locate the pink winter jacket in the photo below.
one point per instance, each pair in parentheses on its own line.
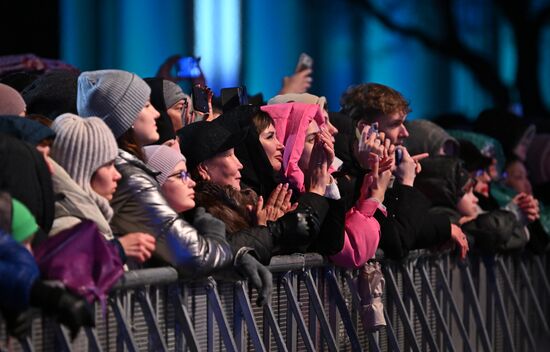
(362,231)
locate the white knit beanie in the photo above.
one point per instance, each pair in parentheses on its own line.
(115,96)
(82,146)
(162,159)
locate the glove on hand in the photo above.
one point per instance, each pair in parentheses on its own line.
(297,228)
(258,276)
(207,224)
(70,310)
(18,324)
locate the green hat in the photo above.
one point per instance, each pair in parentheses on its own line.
(23,224)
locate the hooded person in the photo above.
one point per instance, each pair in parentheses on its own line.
(52,94)
(258,171)
(428,137)
(449,186)
(308,98)
(11,102)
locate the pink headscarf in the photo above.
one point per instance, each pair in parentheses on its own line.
(291,123)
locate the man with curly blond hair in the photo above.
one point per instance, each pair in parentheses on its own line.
(372,102)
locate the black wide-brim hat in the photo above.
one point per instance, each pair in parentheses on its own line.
(203,140)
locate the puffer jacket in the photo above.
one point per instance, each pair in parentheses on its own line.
(139,206)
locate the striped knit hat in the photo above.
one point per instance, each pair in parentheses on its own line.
(115,96)
(81,147)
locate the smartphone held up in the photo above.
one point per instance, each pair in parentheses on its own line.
(304,62)
(200,98)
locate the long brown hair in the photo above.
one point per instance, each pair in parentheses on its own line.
(128,143)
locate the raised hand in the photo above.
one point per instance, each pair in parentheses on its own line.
(299,82)
(317,176)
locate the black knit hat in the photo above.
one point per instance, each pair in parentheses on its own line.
(52,94)
(202,140)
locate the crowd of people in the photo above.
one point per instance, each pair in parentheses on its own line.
(222,192)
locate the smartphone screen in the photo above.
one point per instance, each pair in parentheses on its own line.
(200,99)
(188,67)
(304,62)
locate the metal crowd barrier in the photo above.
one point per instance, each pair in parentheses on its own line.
(432,303)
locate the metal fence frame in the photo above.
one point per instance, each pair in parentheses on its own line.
(432,302)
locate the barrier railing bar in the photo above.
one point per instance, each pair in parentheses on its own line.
(92,339)
(62,337)
(272,322)
(312,321)
(515,300)
(215,304)
(476,307)
(391,333)
(245,309)
(435,306)
(150,276)
(501,309)
(418,308)
(315,301)
(453,307)
(343,309)
(26,344)
(296,312)
(238,325)
(123,324)
(151,320)
(533,297)
(401,309)
(542,274)
(184,319)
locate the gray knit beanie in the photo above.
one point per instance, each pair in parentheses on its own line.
(162,159)
(81,147)
(11,102)
(115,96)
(172,93)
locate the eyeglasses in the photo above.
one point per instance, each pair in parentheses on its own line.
(183,175)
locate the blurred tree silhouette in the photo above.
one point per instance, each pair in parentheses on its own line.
(443,32)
